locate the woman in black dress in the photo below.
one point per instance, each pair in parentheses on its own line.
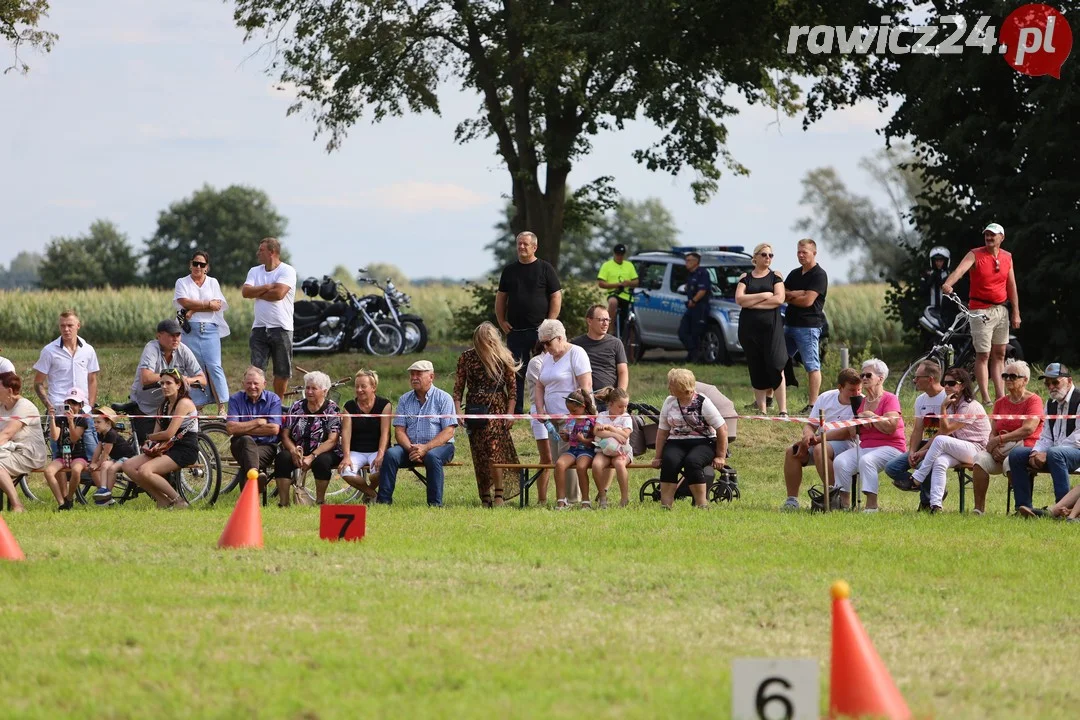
(364,440)
(760,293)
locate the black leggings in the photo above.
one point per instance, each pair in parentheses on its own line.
(321,467)
(690,456)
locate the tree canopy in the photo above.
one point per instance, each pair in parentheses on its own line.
(21,272)
(100,258)
(552,74)
(227,223)
(19,27)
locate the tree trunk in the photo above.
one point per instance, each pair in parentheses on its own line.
(542,213)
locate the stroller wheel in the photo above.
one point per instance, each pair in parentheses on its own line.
(650,490)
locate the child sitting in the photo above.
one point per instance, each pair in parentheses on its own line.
(612,431)
(111,452)
(578,432)
(70,461)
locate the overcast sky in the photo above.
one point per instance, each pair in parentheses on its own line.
(140,103)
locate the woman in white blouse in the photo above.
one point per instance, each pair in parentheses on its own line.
(199,297)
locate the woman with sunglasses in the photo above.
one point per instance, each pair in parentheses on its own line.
(760,293)
(1008,434)
(202,306)
(959,439)
(880,441)
(173,444)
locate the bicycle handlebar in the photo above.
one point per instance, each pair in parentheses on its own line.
(964,308)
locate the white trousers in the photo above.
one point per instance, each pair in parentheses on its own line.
(945,452)
(868,462)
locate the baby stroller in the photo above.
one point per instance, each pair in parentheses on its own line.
(724,488)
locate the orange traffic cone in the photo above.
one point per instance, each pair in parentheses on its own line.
(859,682)
(244,528)
(9,547)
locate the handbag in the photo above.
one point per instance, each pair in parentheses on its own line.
(474,424)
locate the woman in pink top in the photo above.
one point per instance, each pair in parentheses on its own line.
(1007,434)
(959,439)
(881,441)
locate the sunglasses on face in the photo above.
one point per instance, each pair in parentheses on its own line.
(1052,382)
(1009,377)
(545,343)
(951,383)
(766,255)
(197,264)
(867,376)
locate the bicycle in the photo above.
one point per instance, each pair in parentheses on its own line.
(627,330)
(953,346)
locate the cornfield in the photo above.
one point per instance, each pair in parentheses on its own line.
(115,317)
(857,317)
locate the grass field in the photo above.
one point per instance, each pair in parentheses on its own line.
(130,612)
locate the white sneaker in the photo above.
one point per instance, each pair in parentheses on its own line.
(870,510)
(790,504)
(976,512)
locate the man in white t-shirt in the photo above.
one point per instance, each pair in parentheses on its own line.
(273,287)
(65,363)
(836,404)
(927,407)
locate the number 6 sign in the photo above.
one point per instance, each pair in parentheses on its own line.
(342,522)
(765,689)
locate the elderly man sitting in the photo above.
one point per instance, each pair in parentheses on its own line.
(836,404)
(1058,448)
(254,422)
(424,430)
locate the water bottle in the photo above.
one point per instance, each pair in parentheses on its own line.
(553,432)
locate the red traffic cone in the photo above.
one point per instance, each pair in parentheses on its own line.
(859,683)
(244,528)
(9,547)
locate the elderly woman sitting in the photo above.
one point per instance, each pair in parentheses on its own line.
(1007,434)
(309,438)
(692,434)
(958,439)
(881,441)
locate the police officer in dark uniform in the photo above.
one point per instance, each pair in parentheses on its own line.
(694,320)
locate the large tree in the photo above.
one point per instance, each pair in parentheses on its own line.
(552,74)
(100,258)
(590,236)
(19,26)
(22,272)
(227,223)
(997,146)
(878,239)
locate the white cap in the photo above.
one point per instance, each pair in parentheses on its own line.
(422,366)
(994,228)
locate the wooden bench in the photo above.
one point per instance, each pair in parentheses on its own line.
(526,481)
(962,473)
(366,470)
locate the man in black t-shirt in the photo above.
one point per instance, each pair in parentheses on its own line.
(806,287)
(529,293)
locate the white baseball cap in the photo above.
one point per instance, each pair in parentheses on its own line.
(994,228)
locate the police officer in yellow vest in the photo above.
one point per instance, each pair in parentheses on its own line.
(618,277)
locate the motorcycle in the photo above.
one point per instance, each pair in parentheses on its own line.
(342,321)
(390,305)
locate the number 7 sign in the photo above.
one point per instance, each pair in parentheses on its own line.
(342,522)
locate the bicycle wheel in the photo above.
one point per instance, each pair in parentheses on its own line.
(632,343)
(219,436)
(201,483)
(33,491)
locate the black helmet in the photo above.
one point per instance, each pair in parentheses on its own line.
(310,287)
(328,289)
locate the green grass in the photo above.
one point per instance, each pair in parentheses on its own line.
(130,612)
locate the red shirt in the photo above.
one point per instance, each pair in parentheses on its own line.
(989,276)
(1032,406)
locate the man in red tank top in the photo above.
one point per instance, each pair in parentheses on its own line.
(992,284)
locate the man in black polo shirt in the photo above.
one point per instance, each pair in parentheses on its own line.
(806,287)
(529,293)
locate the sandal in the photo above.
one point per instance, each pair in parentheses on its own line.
(499,502)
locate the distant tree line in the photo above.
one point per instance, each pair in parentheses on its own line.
(228,224)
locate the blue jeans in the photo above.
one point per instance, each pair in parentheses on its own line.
(396,457)
(1059,461)
(205,343)
(898,470)
(805,341)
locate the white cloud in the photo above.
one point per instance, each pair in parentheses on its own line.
(405,197)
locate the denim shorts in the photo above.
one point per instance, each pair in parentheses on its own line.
(272,343)
(804,340)
(580,451)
